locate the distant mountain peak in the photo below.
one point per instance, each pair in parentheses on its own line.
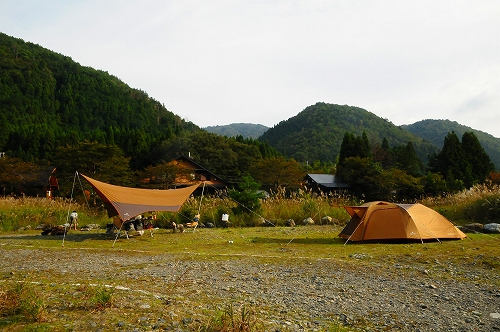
(247,130)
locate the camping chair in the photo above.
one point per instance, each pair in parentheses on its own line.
(194,223)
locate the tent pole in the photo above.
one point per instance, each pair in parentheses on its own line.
(201,198)
(117,234)
(69,208)
(354,231)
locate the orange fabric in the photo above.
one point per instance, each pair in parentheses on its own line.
(129,202)
(382,220)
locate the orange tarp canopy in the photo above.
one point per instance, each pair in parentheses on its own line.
(129,202)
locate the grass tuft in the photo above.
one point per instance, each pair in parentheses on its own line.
(102,298)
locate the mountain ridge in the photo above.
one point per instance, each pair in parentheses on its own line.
(316,133)
(246,130)
(430,130)
(47,100)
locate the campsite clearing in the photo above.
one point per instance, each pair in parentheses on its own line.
(290,279)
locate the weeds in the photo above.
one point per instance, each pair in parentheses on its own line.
(102,297)
(23,299)
(231,320)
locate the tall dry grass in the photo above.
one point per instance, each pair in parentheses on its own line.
(478,204)
(29,212)
(277,210)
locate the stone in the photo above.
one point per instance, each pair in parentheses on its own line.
(260,221)
(493,228)
(327,220)
(495,315)
(308,221)
(472,228)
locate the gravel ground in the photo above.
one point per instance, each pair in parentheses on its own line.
(306,296)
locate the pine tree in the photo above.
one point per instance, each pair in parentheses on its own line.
(347,147)
(479,161)
(353,146)
(406,159)
(451,157)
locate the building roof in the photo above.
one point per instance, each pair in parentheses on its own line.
(188,162)
(327,180)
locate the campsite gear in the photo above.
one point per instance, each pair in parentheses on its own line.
(127,203)
(225,220)
(73,218)
(194,223)
(389,221)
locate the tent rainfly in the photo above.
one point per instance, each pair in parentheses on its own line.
(128,202)
(385,221)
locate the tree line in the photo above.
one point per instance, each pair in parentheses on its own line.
(380,172)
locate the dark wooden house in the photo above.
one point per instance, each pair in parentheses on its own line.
(324,183)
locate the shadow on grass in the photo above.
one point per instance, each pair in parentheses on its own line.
(308,240)
(70,237)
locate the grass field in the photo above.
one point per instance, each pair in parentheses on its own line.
(305,242)
(268,245)
(28,301)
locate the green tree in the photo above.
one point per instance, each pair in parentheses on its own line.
(16,174)
(164,175)
(479,161)
(353,146)
(278,172)
(406,159)
(366,178)
(383,154)
(247,195)
(434,184)
(102,162)
(406,188)
(347,147)
(450,162)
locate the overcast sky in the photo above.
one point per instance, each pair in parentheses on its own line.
(220,62)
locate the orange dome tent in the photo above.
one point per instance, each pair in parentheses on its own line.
(385,221)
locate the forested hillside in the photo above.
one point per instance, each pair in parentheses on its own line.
(48,100)
(316,133)
(55,111)
(434,131)
(246,130)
